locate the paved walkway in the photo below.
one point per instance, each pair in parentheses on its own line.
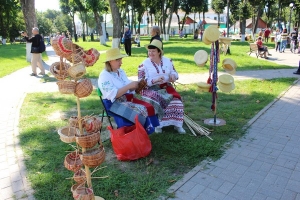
(14,87)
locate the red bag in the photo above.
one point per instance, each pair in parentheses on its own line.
(130,142)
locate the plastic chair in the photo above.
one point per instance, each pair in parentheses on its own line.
(104,111)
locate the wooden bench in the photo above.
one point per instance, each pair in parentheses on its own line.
(254,49)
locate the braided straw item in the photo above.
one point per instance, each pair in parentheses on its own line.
(72,161)
(60,70)
(66,87)
(67,134)
(89,140)
(77,71)
(93,157)
(83,88)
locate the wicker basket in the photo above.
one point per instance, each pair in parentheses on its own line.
(79,176)
(77,55)
(89,140)
(90,57)
(66,87)
(73,162)
(59,74)
(83,88)
(93,157)
(80,192)
(73,122)
(92,125)
(67,134)
(62,46)
(77,71)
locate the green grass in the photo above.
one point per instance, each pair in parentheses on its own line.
(182,51)
(13,58)
(172,155)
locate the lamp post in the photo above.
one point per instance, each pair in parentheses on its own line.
(291,9)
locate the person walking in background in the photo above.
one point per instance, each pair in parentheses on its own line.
(36,57)
(277,40)
(267,34)
(298,42)
(284,36)
(155,34)
(201,34)
(127,40)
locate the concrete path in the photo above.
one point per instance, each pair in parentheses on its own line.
(14,87)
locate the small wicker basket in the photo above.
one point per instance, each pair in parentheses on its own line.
(62,46)
(93,157)
(67,134)
(77,54)
(92,124)
(73,162)
(59,74)
(90,57)
(80,192)
(79,176)
(83,88)
(89,140)
(77,71)
(66,87)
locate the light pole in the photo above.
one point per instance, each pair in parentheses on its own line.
(291,9)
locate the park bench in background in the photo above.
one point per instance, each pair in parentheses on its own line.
(254,49)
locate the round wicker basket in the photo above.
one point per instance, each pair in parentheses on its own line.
(83,88)
(89,140)
(77,55)
(77,71)
(79,176)
(73,162)
(66,87)
(90,57)
(93,157)
(59,74)
(92,124)
(80,192)
(67,134)
(62,46)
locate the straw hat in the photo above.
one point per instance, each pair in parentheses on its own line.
(225,40)
(226,83)
(155,43)
(211,33)
(114,54)
(200,58)
(203,87)
(206,41)
(229,65)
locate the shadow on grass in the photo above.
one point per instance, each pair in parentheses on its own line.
(172,154)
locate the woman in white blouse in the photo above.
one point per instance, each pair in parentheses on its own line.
(117,96)
(159,72)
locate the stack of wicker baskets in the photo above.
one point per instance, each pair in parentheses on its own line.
(85,131)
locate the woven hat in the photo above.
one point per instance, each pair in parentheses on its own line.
(211,33)
(206,41)
(200,58)
(155,43)
(114,54)
(203,87)
(225,40)
(229,65)
(226,83)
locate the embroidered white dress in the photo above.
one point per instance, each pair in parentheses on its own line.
(170,112)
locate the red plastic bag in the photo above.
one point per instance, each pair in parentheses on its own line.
(130,142)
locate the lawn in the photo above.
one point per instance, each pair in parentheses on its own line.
(182,51)
(13,58)
(172,155)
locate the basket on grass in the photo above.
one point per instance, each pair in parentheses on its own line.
(89,140)
(66,87)
(83,88)
(80,192)
(79,176)
(73,162)
(93,157)
(77,54)
(77,71)
(92,124)
(67,134)
(59,74)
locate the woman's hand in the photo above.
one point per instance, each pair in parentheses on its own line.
(172,78)
(133,85)
(159,80)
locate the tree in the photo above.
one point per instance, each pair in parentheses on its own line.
(8,13)
(28,9)
(116,16)
(218,6)
(69,7)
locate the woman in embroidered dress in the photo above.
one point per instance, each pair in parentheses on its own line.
(159,72)
(117,91)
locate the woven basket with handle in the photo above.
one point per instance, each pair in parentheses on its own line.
(80,192)
(66,87)
(59,70)
(88,140)
(73,162)
(67,134)
(93,157)
(83,88)
(79,176)
(77,71)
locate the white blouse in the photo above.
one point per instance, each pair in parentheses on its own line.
(152,71)
(110,82)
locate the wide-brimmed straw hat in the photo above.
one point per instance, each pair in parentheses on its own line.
(225,40)
(211,33)
(203,87)
(200,58)
(229,65)
(155,43)
(114,54)
(226,83)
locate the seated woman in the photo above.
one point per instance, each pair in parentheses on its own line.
(137,40)
(159,72)
(261,47)
(118,98)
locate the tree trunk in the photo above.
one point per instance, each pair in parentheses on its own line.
(183,21)
(74,27)
(170,16)
(132,17)
(99,27)
(116,23)
(243,29)
(151,19)
(178,18)
(28,9)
